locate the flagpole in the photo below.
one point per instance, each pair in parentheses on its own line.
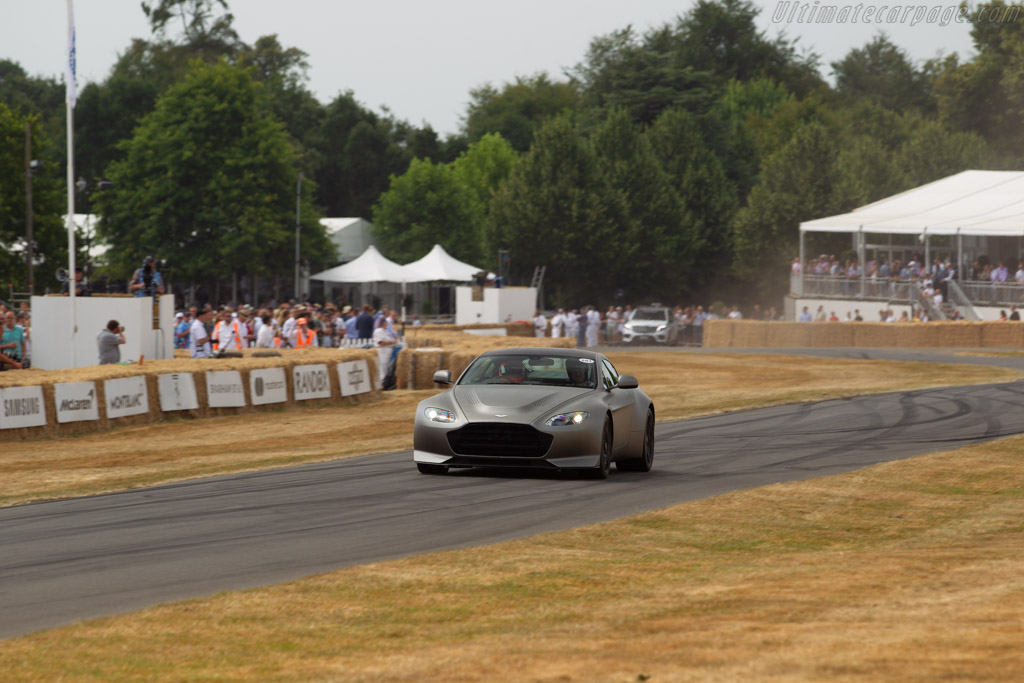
(71,94)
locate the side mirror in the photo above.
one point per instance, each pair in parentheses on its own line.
(443,377)
(627,382)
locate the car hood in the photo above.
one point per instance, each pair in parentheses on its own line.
(514,403)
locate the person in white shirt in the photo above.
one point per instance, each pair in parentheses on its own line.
(735,314)
(593,325)
(572,323)
(265,335)
(385,342)
(540,324)
(198,339)
(557,323)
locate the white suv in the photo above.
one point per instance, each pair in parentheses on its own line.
(651,324)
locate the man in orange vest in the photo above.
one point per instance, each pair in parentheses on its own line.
(305,336)
(229,332)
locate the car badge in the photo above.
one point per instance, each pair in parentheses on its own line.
(500,415)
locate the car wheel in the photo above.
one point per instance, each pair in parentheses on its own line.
(604,462)
(646,459)
(425,468)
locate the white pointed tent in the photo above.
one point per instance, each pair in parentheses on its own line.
(370,267)
(439,265)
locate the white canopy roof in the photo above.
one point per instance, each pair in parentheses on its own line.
(968,203)
(440,265)
(370,266)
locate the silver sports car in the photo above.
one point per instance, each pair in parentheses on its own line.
(562,409)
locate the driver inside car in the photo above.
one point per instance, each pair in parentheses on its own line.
(512,372)
(577,372)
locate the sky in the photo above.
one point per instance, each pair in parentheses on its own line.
(421,59)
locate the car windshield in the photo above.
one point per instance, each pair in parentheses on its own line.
(556,371)
(651,314)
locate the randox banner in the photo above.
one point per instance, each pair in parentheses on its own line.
(354,377)
(75,402)
(22,407)
(177,391)
(126,396)
(224,389)
(267,385)
(311,381)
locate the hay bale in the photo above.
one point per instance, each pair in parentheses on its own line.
(718,334)
(874,334)
(1002,335)
(831,334)
(788,334)
(750,333)
(960,334)
(916,335)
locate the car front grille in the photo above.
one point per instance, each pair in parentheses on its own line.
(497,439)
(645,329)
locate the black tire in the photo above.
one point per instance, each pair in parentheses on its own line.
(645,461)
(425,468)
(604,463)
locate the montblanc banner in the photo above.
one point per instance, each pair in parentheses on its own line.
(22,407)
(126,396)
(268,385)
(354,377)
(224,389)
(76,402)
(177,392)
(311,381)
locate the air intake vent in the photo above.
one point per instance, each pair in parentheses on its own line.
(498,439)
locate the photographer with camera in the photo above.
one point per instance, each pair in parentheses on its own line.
(146,281)
(108,342)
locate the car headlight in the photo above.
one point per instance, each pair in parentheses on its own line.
(563,419)
(628,326)
(439,415)
(661,328)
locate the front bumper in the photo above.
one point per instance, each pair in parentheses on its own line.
(567,447)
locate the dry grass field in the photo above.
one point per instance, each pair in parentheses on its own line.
(904,571)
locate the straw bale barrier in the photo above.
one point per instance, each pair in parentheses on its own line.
(757,334)
(452,349)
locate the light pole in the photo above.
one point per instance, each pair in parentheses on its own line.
(298,230)
(31,165)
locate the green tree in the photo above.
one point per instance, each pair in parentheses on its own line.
(422,207)
(799,182)
(208,181)
(555,210)
(444,204)
(515,111)
(48,232)
(882,72)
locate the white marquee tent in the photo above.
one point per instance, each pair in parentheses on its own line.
(370,266)
(441,266)
(988,203)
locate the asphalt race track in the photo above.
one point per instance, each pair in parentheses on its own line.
(67,560)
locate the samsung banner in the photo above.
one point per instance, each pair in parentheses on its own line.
(311,381)
(75,402)
(177,392)
(224,389)
(354,377)
(126,396)
(268,385)
(22,407)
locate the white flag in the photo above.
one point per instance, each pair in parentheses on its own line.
(71,93)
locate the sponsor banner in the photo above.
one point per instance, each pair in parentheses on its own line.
(268,385)
(75,402)
(224,389)
(354,377)
(177,391)
(126,396)
(22,407)
(311,381)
